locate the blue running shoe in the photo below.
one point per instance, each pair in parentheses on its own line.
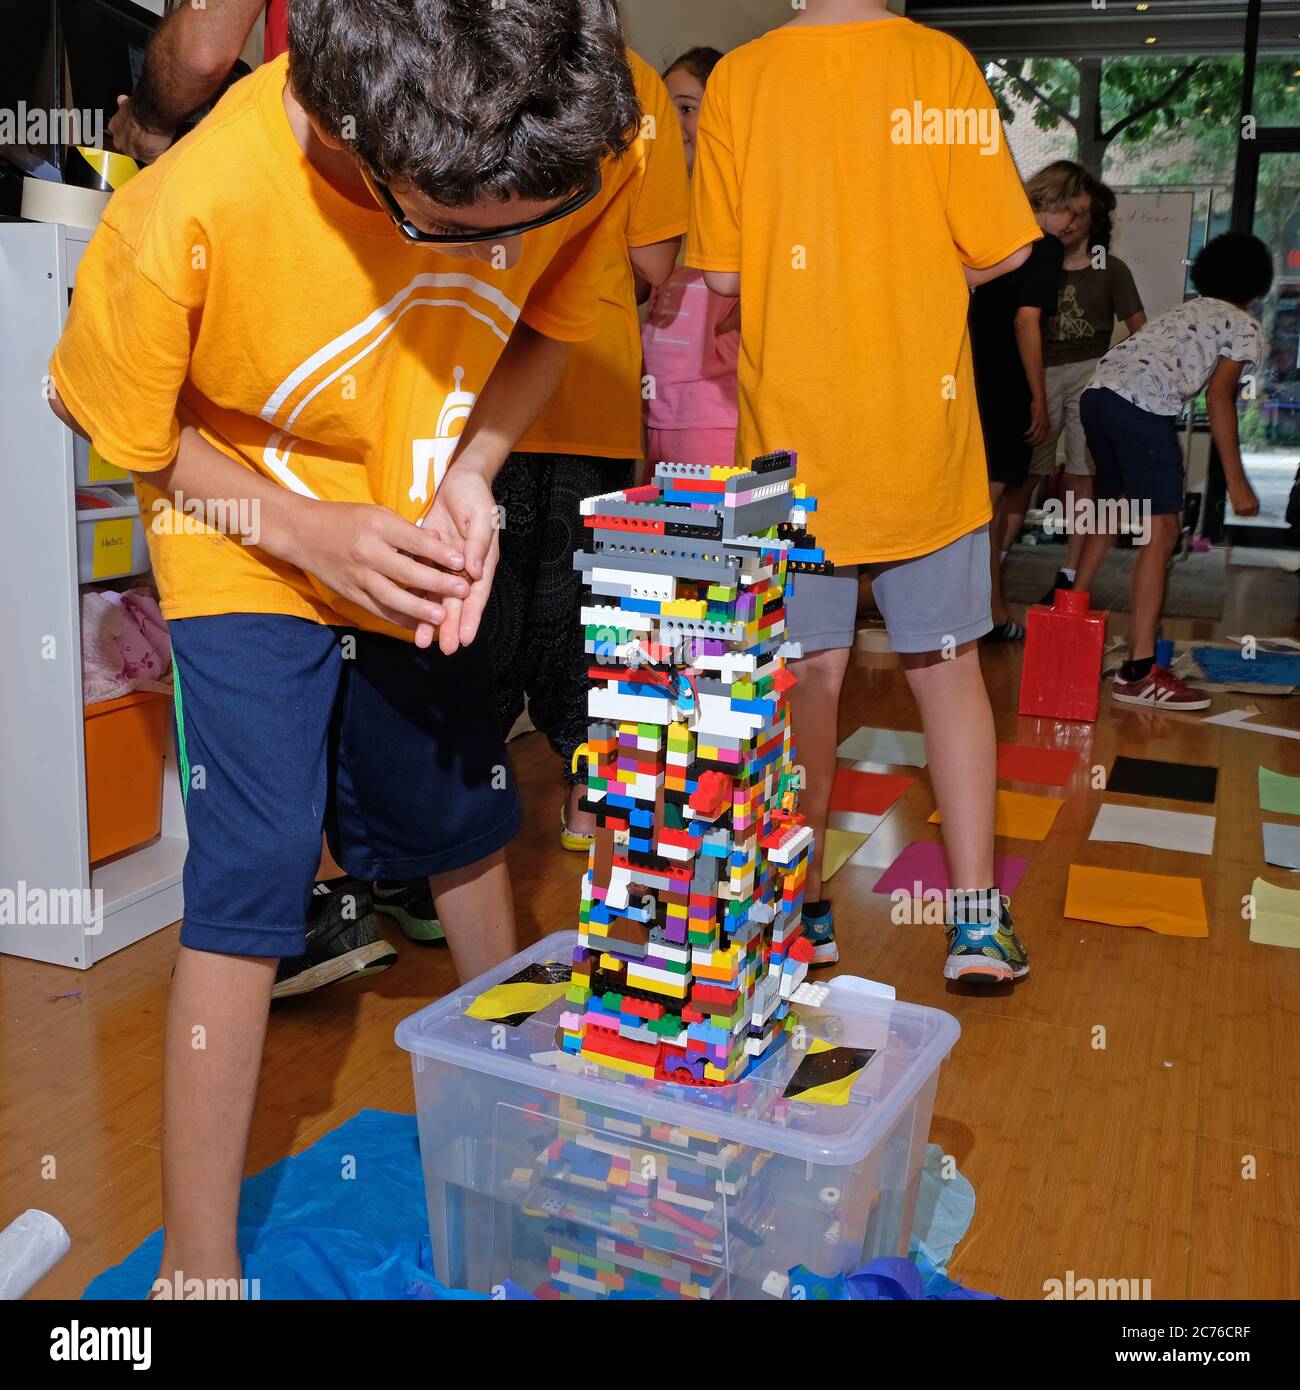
(819,924)
(986,952)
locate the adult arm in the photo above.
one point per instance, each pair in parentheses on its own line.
(189,56)
(1029,341)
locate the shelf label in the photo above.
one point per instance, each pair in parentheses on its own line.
(111,554)
(101,471)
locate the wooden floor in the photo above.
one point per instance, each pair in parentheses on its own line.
(1125,1162)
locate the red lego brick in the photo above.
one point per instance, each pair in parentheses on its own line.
(1061,672)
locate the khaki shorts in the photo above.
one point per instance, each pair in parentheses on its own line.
(1066,382)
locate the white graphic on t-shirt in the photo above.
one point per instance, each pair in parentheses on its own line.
(1070,322)
(438,451)
(369,333)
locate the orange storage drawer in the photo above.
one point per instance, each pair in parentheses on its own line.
(125,739)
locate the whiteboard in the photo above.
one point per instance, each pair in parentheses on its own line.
(1152,234)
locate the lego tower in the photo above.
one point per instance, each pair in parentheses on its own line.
(691,939)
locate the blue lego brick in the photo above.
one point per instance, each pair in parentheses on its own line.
(632,688)
(767,708)
(811,557)
(642,817)
(640,605)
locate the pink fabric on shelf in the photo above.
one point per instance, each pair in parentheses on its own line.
(124,644)
(692,368)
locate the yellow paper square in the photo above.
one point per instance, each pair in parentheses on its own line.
(111,547)
(1161,903)
(1277,915)
(101,471)
(1020,815)
(841,846)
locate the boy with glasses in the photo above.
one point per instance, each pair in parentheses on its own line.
(343,297)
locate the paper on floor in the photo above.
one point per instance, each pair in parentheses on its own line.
(1139,825)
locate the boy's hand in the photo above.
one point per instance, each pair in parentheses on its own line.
(464,513)
(373,558)
(1243,499)
(1040,422)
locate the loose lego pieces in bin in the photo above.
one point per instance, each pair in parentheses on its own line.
(691,937)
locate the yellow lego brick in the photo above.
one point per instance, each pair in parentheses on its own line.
(620,1064)
(608,962)
(684,608)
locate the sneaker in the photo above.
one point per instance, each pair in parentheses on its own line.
(410,904)
(1008,630)
(819,927)
(573,839)
(1159,688)
(985,953)
(342,940)
(1063,581)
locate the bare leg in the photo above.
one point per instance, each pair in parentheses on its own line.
(216,1025)
(1083,488)
(477,913)
(1095,550)
(997,496)
(1147,586)
(961,748)
(1007,525)
(814,707)
(579,821)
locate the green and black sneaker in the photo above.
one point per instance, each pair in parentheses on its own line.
(342,940)
(410,904)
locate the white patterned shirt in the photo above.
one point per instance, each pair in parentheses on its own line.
(1168,361)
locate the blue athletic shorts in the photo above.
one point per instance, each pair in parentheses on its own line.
(1138,454)
(285,729)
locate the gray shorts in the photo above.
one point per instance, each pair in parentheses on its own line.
(929,602)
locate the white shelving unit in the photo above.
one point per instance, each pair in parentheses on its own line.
(43,836)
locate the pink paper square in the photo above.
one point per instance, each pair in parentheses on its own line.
(924,862)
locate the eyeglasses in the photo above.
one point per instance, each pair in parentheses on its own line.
(410,232)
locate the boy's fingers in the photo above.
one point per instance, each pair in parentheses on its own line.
(449,632)
(403,570)
(472,611)
(423,542)
(478,540)
(412,609)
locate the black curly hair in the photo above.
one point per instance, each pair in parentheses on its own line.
(467,101)
(1235,267)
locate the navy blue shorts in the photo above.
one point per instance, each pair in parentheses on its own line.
(1138,454)
(286,729)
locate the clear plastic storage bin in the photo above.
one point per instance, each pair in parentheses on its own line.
(111,542)
(573,1180)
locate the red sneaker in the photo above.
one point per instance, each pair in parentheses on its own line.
(1160,689)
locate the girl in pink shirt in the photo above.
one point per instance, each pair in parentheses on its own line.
(691,337)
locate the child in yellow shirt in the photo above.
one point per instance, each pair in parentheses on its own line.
(342,298)
(851,184)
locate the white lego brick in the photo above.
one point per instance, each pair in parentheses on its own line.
(607,615)
(643,583)
(776,1284)
(810,994)
(717,717)
(611,705)
(729,664)
(789,850)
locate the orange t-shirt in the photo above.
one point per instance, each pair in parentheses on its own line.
(596,409)
(815,181)
(230,287)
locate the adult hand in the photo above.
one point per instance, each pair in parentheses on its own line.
(130,137)
(405,574)
(464,514)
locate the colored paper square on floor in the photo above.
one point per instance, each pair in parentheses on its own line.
(893,747)
(1020,815)
(1048,767)
(1140,825)
(1277,915)
(870,792)
(1278,792)
(922,869)
(1282,845)
(841,846)
(1159,902)
(1169,781)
